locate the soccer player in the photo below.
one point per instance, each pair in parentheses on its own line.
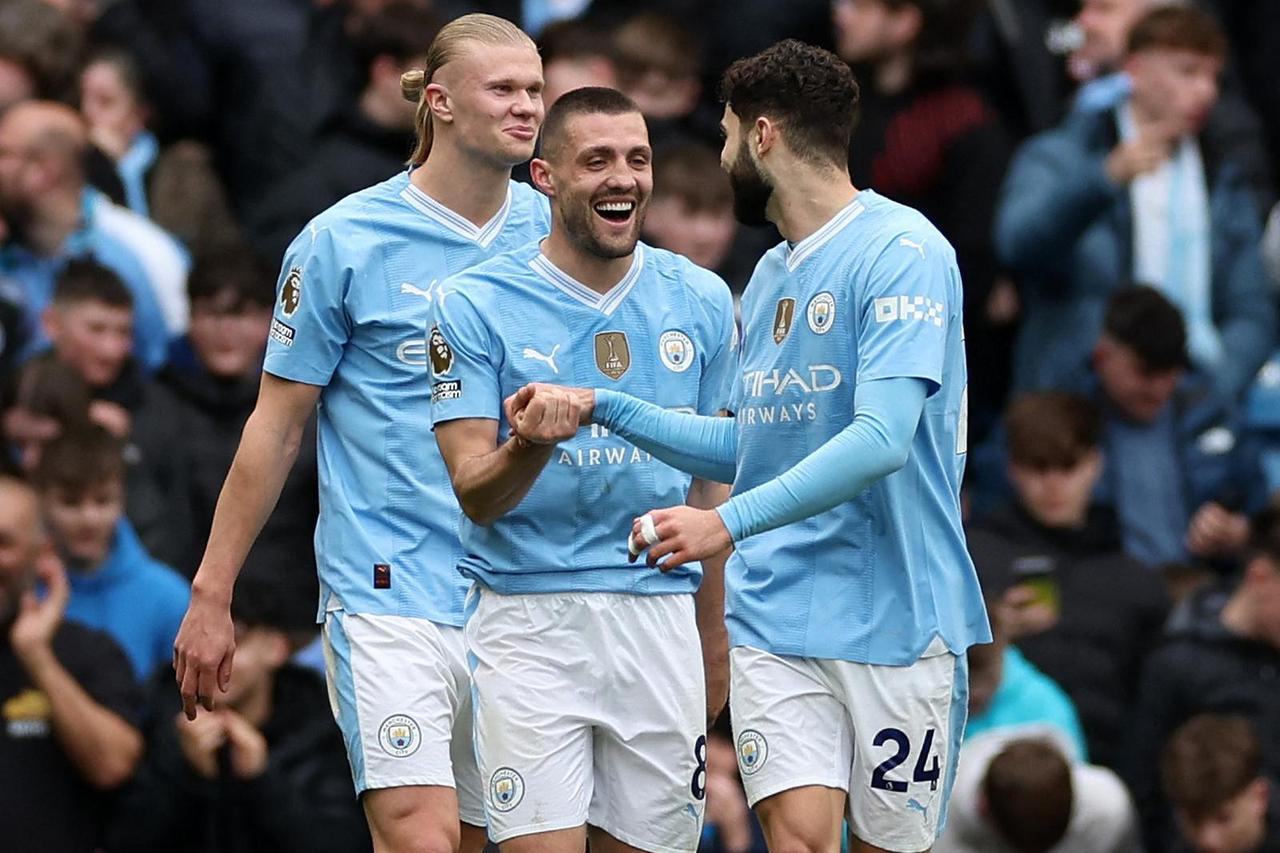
(590,701)
(348,334)
(850,596)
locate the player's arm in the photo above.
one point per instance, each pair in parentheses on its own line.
(872,446)
(704,446)
(268,447)
(709,606)
(491,479)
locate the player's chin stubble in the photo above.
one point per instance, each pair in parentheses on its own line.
(751,190)
(580,225)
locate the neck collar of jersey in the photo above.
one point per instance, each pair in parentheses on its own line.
(797,254)
(460,225)
(606,303)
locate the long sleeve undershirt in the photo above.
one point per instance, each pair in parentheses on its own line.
(874,444)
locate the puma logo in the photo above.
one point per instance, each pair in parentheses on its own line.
(914,805)
(548,360)
(919,247)
(427,294)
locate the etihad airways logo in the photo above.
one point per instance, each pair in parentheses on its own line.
(814,379)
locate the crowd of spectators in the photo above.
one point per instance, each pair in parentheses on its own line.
(1103,168)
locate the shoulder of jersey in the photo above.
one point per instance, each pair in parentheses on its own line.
(890,222)
(670,264)
(363,207)
(528,199)
(492,272)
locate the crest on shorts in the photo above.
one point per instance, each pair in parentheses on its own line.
(291,293)
(613,355)
(399,736)
(506,789)
(753,751)
(783,317)
(440,352)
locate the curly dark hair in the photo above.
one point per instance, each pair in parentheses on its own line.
(809,91)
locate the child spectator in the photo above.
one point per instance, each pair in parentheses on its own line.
(265,771)
(1053,561)
(115,585)
(1212,773)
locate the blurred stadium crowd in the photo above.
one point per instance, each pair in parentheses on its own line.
(1103,168)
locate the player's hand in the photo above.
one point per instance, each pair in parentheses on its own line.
(552,414)
(1023,614)
(1138,156)
(684,534)
(514,405)
(1216,532)
(200,739)
(248,746)
(203,652)
(32,632)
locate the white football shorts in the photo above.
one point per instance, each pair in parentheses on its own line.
(886,735)
(590,708)
(401,693)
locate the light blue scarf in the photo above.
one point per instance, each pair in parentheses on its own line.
(132,169)
(1171,240)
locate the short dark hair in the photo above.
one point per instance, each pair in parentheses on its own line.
(1029,795)
(691,172)
(80,459)
(1208,761)
(89,281)
(1179,28)
(243,276)
(1050,429)
(589,100)
(809,91)
(401,30)
(1142,319)
(573,38)
(50,387)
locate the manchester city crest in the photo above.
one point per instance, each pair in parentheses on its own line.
(399,736)
(821,313)
(676,350)
(506,789)
(753,751)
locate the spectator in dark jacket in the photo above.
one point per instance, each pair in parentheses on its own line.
(929,140)
(365,143)
(265,772)
(1133,193)
(1221,654)
(1182,470)
(67,699)
(196,434)
(1212,773)
(1079,609)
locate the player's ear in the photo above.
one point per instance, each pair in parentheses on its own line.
(540,172)
(438,102)
(766,135)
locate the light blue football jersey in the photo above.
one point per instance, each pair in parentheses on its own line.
(665,333)
(873,294)
(355,291)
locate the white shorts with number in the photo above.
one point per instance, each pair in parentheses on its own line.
(590,709)
(887,735)
(401,693)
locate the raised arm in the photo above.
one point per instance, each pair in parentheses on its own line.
(205,645)
(491,479)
